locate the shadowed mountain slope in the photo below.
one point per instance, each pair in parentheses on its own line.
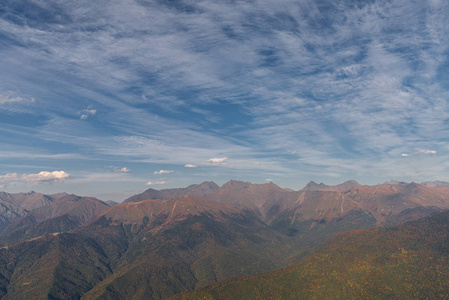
(53,266)
(405,262)
(27,201)
(13,206)
(67,213)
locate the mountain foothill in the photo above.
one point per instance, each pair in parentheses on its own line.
(238,240)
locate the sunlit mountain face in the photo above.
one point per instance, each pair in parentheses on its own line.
(103,98)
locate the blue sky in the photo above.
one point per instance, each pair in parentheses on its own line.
(108,98)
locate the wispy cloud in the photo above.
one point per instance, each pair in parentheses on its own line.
(85,113)
(11,99)
(119,169)
(163,172)
(218,160)
(427,151)
(157,182)
(299,89)
(190,166)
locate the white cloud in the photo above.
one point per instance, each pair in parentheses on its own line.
(152,183)
(218,160)
(269,179)
(90,111)
(45,176)
(163,172)
(124,170)
(404,154)
(34,179)
(190,166)
(426,151)
(11,176)
(9,98)
(85,113)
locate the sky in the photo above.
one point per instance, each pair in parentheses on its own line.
(109,98)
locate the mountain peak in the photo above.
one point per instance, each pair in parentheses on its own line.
(351,182)
(210,184)
(342,187)
(394,182)
(236,184)
(312,186)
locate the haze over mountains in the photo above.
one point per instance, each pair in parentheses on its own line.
(163,242)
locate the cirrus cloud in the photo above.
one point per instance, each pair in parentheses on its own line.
(427,151)
(10,98)
(118,169)
(163,172)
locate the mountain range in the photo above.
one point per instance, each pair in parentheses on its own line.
(159,243)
